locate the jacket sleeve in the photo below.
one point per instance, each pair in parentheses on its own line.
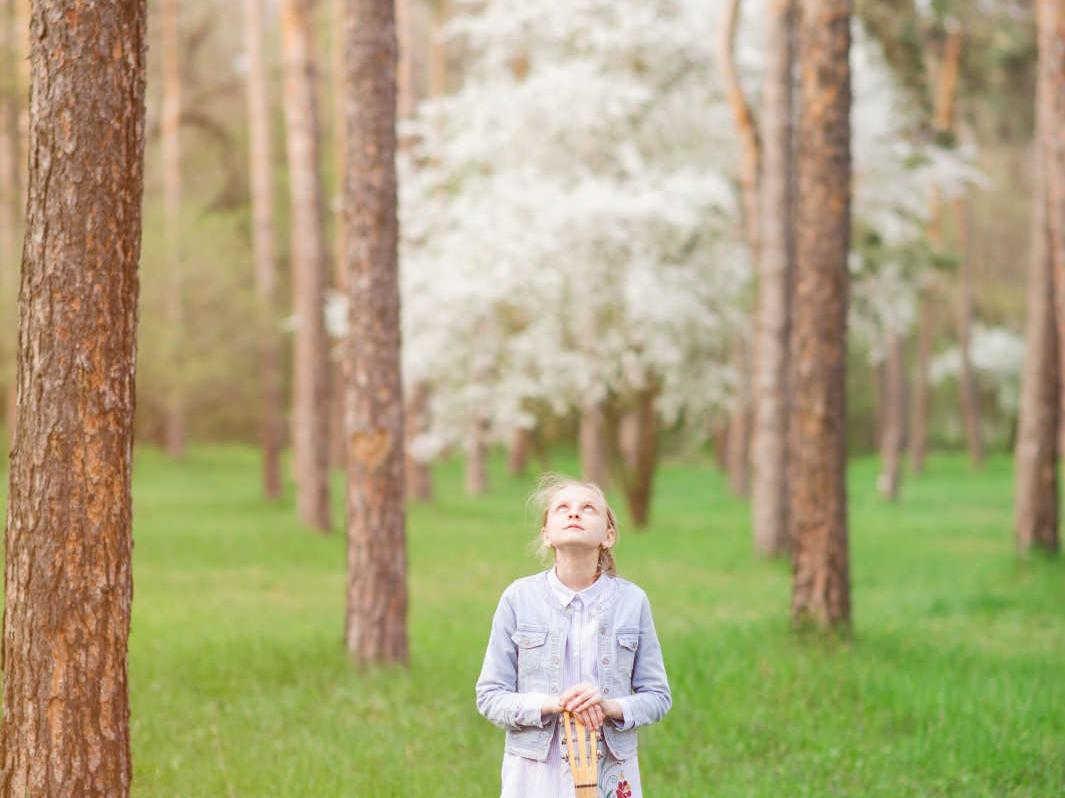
(497,696)
(651,698)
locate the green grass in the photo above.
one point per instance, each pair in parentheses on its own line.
(953,683)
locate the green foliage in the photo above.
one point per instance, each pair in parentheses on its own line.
(950,686)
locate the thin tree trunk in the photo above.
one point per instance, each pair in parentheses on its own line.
(629,437)
(750,163)
(477,458)
(518,456)
(170,124)
(739,426)
(1051,26)
(720,437)
(921,396)
(893,420)
(821,588)
(595,461)
(639,480)
(376,627)
(405,70)
(260,171)
(338,446)
(769,484)
(438,50)
(944,100)
(1036,503)
(68,579)
(419,475)
(1036,455)
(970,404)
(310,402)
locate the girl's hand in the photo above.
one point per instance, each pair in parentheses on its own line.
(580,697)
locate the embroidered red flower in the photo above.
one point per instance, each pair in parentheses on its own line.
(623,789)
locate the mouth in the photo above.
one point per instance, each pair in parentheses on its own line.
(575,526)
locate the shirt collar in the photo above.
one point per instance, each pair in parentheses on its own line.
(567,594)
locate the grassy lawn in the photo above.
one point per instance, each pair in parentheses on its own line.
(953,685)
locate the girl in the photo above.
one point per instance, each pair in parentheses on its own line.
(576,637)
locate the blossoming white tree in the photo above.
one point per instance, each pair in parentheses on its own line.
(569,224)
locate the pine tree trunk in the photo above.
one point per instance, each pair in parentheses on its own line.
(68,583)
(337,444)
(438,50)
(919,427)
(377,548)
(970,403)
(821,589)
(170,125)
(944,99)
(9,212)
(595,460)
(1036,500)
(310,401)
(1051,25)
(769,450)
(893,420)
(260,171)
(419,475)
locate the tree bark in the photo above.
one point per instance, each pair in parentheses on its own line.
(638,480)
(891,434)
(419,475)
(518,456)
(769,485)
(260,171)
(338,446)
(1036,503)
(1051,26)
(629,437)
(377,549)
(438,50)
(68,582)
(821,588)
(9,210)
(477,458)
(970,401)
(739,426)
(943,103)
(170,125)
(595,461)
(310,401)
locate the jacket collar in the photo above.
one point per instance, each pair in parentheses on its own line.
(558,595)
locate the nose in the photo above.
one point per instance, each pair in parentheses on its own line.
(574,514)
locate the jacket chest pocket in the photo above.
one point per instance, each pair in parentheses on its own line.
(530,644)
(628,642)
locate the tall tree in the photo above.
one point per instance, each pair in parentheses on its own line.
(260,170)
(821,588)
(970,401)
(943,103)
(170,124)
(376,624)
(769,488)
(593,444)
(310,400)
(892,418)
(1051,25)
(337,446)
(68,582)
(10,213)
(1036,500)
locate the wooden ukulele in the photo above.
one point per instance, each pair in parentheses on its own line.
(583,747)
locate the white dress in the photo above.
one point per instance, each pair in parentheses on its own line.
(530,778)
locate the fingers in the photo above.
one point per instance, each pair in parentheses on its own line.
(586,699)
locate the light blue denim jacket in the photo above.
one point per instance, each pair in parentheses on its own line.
(523,664)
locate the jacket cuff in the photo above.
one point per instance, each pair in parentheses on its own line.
(530,708)
(627,721)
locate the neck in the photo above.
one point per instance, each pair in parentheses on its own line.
(576,569)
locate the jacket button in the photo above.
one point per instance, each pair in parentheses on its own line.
(555,660)
(606,660)
(602,630)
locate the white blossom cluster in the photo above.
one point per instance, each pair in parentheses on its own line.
(569,218)
(997,356)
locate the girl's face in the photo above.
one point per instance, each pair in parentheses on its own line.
(577,519)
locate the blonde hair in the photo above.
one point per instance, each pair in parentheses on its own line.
(546,488)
